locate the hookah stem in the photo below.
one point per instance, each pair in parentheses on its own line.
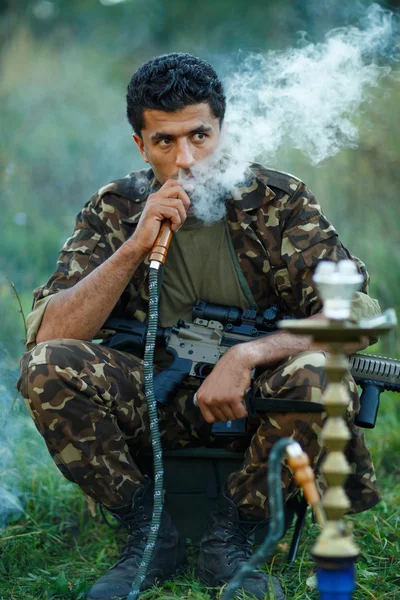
(277,521)
(154,432)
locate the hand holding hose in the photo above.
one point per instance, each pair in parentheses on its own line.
(171,203)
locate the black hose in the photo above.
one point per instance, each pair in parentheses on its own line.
(277,518)
(148,363)
(277,521)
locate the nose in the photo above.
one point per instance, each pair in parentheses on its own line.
(184,155)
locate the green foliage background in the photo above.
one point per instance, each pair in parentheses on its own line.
(65,66)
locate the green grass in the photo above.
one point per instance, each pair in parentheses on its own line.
(55,550)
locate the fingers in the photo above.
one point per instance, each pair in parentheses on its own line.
(207,414)
(183,183)
(220,410)
(172,189)
(170,202)
(174,211)
(219,415)
(239,410)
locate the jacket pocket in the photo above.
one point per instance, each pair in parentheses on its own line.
(309,242)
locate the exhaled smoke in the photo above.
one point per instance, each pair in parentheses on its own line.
(209,191)
(9,495)
(21,449)
(306,97)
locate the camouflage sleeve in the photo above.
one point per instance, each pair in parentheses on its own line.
(81,253)
(307,238)
(34,320)
(364,306)
(87,248)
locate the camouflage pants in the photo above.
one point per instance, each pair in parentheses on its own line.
(88,403)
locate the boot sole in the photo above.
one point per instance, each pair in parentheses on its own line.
(156,582)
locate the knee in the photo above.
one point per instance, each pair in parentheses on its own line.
(63,353)
(45,362)
(306,372)
(306,366)
(301,376)
(310,368)
(56,352)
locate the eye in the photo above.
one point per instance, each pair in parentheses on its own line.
(199,137)
(165,142)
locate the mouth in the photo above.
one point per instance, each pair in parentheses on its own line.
(185,179)
(185,174)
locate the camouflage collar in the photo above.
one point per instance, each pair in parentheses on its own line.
(150,185)
(252,194)
(154,185)
(247,196)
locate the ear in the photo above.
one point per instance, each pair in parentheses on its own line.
(140,145)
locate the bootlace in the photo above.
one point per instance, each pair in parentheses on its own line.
(239,544)
(139,527)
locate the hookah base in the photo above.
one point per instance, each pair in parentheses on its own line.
(336,584)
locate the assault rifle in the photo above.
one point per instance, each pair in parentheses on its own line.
(196,347)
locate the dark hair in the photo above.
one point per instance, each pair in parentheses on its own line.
(170,82)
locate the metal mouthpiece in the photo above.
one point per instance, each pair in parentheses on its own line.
(161,245)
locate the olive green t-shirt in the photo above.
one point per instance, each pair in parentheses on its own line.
(199,266)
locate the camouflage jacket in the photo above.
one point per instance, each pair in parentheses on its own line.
(277,235)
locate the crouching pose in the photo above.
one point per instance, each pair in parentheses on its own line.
(88,400)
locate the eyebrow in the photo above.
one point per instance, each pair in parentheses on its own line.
(159,135)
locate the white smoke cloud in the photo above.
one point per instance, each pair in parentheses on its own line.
(308,97)
(9,493)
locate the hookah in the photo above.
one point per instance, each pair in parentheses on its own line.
(335,551)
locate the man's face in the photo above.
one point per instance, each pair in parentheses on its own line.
(178,140)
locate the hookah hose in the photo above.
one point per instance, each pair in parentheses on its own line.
(298,461)
(277,525)
(157,258)
(300,464)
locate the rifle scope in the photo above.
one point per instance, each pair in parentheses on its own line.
(229,315)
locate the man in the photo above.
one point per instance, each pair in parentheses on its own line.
(88,401)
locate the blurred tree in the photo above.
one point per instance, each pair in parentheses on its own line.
(65,66)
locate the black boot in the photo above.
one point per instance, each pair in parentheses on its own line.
(226,545)
(168,554)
